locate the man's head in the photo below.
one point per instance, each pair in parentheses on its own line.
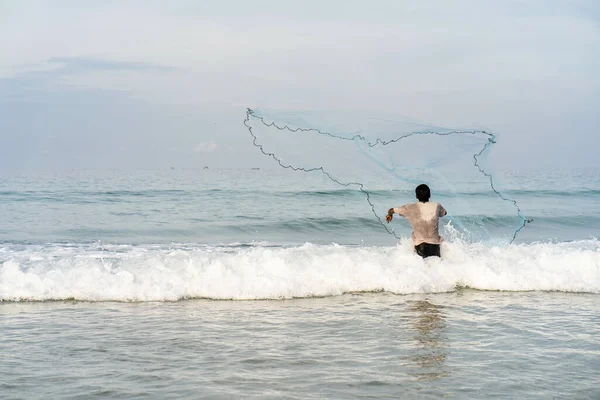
(423,193)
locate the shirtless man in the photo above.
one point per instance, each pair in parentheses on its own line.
(423,216)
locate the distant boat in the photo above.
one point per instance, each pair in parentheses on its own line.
(255,169)
(205,167)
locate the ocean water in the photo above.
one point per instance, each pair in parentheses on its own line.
(276,284)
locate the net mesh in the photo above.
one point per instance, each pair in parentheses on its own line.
(385,157)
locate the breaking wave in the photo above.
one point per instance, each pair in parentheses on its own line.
(259,271)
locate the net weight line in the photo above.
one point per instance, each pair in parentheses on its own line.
(491,140)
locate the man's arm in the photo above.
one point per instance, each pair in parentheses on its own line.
(442,211)
(391,211)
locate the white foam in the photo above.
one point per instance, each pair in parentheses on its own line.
(154,273)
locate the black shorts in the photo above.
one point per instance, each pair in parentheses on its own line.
(427,250)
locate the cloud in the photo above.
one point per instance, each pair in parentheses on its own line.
(54,72)
(87,64)
(63,66)
(206,147)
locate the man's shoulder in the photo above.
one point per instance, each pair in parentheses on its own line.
(428,204)
(409,206)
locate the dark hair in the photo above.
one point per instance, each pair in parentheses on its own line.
(423,193)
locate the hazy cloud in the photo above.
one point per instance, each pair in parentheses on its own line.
(64,66)
(206,147)
(86,64)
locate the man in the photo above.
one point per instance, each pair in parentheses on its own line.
(423,216)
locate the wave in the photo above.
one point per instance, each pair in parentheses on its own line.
(358,223)
(117,196)
(446,193)
(309,224)
(159,273)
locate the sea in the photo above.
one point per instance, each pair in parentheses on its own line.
(274,284)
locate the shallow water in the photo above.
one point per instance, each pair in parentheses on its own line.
(466,344)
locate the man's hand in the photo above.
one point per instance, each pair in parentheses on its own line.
(390,215)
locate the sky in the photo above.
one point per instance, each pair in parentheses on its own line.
(155,84)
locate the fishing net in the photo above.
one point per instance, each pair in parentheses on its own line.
(385,158)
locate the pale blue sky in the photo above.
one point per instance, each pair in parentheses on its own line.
(154,83)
